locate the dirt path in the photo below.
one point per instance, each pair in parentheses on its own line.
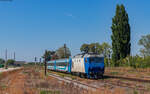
(31,81)
(15,83)
(9,69)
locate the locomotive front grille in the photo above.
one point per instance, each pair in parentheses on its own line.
(96,70)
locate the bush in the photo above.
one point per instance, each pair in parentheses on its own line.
(10,62)
(131,61)
(1,65)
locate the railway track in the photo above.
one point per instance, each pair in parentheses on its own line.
(121,84)
(75,82)
(103,83)
(127,78)
(127,84)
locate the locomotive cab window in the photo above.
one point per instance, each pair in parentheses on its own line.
(96,59)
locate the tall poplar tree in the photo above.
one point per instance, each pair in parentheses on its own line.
(120,34)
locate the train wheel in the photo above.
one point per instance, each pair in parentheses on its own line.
(88,76)
(95,77)
(100,76)
(82,75)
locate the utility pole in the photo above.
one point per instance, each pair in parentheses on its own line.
(6,66)
(65,50)
(39,64)
(95,49)
(14,56)
(45,62)
(35,60)
(40,61)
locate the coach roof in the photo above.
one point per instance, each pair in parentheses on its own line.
(87,55)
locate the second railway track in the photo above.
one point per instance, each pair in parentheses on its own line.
(128,78)
(102,83)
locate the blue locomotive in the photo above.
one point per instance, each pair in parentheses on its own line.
(84,65)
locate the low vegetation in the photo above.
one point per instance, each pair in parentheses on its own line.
(130,61)
(49,92)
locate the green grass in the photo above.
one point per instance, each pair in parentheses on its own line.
(64,75)
(135,92)
(114,73)
(25,72)
(49,92)
(3,86)
(0,75)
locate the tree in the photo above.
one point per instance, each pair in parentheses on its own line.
(84,48)
(54,56)
(47,55)
(145,42)
(10,62)
(120,34)
(2,61)
(63,52)
(106,49)
(91,48)
(97,48)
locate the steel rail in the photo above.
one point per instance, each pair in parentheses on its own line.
(75,82)
(127,78)
(93,87)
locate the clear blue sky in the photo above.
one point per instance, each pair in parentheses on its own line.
(28,27)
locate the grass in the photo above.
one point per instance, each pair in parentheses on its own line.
(135,92)
(25,72)
(36,83)
(0,74)
(49,92)
(114,73)
(64,75)
(3,86)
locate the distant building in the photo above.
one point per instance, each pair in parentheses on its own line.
(19,63)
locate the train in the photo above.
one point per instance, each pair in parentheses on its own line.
(84,65)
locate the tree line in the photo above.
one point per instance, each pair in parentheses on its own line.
(9,62)
(60,53)
(97,48)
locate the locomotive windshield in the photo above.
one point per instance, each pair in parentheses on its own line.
(96,59)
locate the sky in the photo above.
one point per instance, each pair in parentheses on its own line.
(28,27)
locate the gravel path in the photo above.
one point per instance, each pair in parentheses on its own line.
(9,69)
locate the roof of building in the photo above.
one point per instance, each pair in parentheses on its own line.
(19,62)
